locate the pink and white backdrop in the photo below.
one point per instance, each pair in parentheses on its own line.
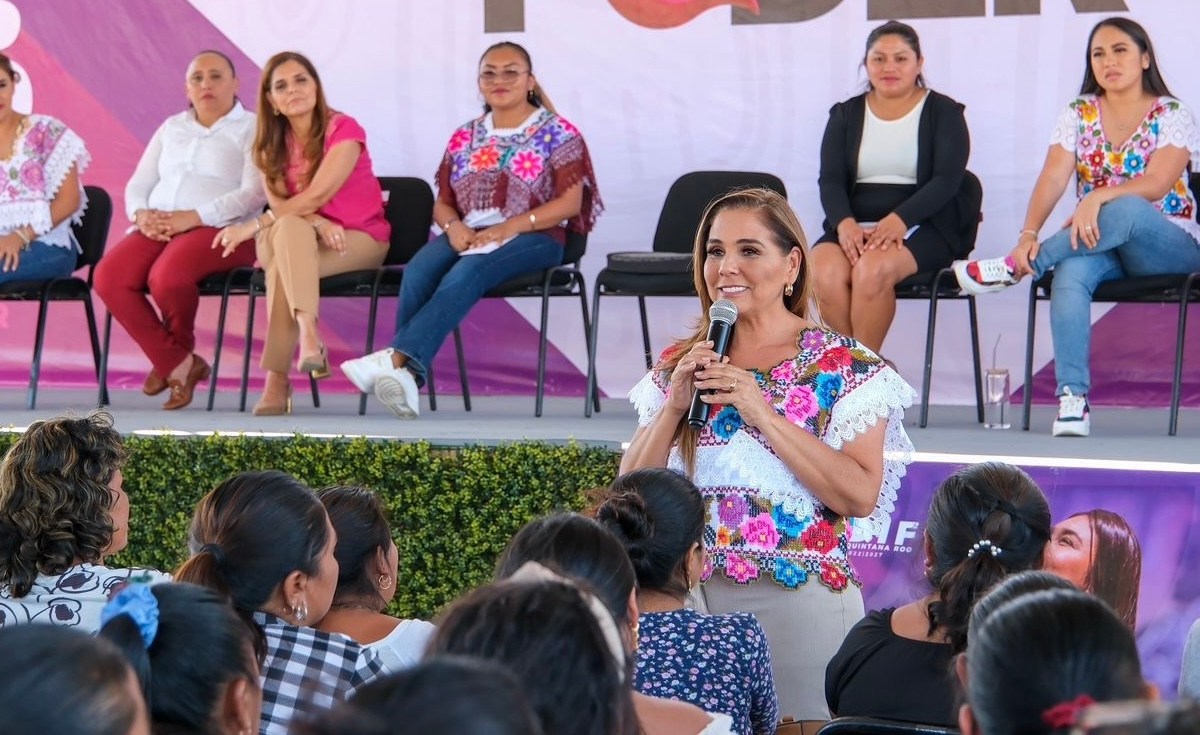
(659,87)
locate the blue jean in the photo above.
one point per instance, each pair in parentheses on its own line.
(439,287)
(41,262)
(1135,240)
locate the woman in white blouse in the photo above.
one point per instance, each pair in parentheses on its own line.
(195,177)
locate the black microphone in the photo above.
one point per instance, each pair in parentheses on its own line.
(721,316)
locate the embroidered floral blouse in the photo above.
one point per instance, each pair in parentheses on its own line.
(761,521)
(510,171)
(43,153)
(1099,162)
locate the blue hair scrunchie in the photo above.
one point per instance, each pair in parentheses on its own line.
(140,604)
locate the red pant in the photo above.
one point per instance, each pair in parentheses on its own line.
(171,272)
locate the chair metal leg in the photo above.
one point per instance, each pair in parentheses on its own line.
(94,337)
(593,392)
(1177,377)
(462,370)
(645,333)
(927,374)
(102,393)
(246,351)
(430,382)
(362,397)
(1029,328)
(35,369)
(216,363)
(974,315)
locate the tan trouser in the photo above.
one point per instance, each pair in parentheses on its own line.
(294,263)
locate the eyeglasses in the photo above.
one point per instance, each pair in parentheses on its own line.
(508,76)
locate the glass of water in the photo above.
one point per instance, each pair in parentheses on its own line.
(995,398)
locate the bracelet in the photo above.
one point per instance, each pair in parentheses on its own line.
(532,221)
(449,222)
(1025,232)
(20,232)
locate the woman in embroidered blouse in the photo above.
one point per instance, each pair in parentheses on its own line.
(894,184)
(326,216)
(64,473)
(794,447)
(986,521)
(264,540)
(42,195)
(1128,142)
(510,186)
(195,176)
(719,663)
(367,579)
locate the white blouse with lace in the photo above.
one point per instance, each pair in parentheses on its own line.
(760,518)
(42,155)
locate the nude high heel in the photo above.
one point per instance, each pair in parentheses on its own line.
(315,365)
(266,408)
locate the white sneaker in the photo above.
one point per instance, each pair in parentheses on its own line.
(987,275)
(397,389)
(363,371)
(1074,418)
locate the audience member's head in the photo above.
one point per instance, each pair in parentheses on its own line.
(194,655)
(61,499)
(1098,552)
(1038,660)
(986,521)
(1009,589)
(558,639)
(60,680)
(264,540)
(366,555)
(444,694)
(658,515)
(579,547)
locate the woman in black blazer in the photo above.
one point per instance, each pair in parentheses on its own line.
(894,185)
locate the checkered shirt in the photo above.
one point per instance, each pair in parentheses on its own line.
(306,670)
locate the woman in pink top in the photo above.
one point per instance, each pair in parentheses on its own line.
(326,216)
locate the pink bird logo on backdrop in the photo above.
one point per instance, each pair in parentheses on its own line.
(672,13)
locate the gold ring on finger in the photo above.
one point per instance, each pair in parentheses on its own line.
(733,385)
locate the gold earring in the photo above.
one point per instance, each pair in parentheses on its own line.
(787,290)
(385,582)
(276,109)
(635,627)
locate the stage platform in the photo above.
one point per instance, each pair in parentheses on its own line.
(1118,435)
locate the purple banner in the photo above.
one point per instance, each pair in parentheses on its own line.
(1162,508)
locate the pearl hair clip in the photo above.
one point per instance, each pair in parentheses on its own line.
(983,544)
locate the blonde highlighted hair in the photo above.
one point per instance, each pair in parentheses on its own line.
(777,216)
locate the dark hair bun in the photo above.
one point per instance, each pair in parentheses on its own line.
(625,515)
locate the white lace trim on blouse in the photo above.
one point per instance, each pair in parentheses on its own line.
(745,463)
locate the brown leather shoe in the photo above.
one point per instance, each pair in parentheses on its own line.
(181,393)
(154,383)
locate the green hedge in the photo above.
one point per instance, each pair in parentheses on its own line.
(452,511)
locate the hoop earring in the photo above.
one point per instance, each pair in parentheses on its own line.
(532,97)
(300,611)
(787,290)
(635,628)
(276,109)
(385,582)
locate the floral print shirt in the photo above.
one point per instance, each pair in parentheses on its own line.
(1099,162)
(720,663)
(43,153)
(761,521)
(73,598)
(510,171)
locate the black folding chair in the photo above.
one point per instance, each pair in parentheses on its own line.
(92,234)
(666,270)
